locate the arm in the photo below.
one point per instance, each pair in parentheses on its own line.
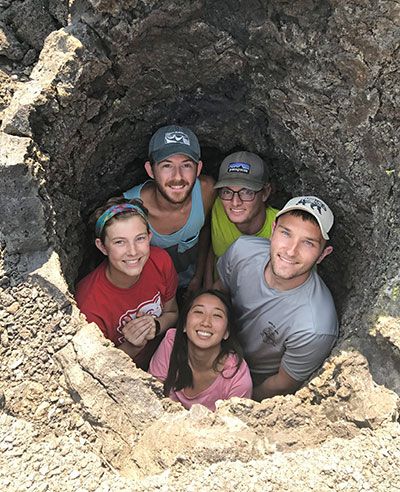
(218,285)
(203,245)
(208,194)
(305,352)
(208,279)
(169,315)
(278,384)
(159,363)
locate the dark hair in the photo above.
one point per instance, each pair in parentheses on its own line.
(179,372)
(122,215)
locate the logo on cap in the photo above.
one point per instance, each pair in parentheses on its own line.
(176,138)
(239,167)
(314,203)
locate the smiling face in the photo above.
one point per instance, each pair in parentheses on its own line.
(248,217)
(296,246)
(207,322)
(174,177)
(127,246)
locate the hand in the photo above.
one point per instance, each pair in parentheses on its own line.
(139,330)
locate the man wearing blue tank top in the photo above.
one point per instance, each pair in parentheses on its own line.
(179,202)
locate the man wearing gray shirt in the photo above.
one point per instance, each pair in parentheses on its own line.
(286,315)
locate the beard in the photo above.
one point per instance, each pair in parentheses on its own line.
(181,197)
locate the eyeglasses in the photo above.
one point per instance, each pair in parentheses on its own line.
(244,194)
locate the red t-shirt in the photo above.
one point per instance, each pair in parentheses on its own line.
(111,307)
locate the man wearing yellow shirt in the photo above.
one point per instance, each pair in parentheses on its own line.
(240,209)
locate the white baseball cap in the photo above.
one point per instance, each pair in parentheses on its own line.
(315,207)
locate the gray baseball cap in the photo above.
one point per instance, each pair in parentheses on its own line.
(315,207)
(243,169)
(171,140)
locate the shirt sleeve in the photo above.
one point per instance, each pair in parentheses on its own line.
(305,352)
(86,309)
(224,266)
(159,363)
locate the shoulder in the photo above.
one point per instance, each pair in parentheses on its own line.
(231,364)
(144,191)
(322,299)
(160,256)
(208,192)
(170,335)
(167,344)
(221,224)
(160,361)
(245,252)
(251,245)
(91,280)
(158,253)
(316,312)
(163,265)
(133,192)
(318,290)
(218,208)
(271,212)
(92,293)
(237,379)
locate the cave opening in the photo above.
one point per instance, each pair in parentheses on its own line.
(117,82)
(256,84)
(265,83)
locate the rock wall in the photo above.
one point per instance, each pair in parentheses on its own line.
(311,86)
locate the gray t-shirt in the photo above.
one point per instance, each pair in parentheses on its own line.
(296,327)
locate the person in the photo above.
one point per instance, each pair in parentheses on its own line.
(131,294)
(287,318)
(179,201)
(201,361)
(241,207)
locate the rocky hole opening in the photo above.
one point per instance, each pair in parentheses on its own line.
(273,82)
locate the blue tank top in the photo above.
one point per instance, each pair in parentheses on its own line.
(182,245)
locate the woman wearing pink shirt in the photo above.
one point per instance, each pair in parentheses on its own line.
(201,361)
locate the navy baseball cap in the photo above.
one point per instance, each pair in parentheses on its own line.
(171,140)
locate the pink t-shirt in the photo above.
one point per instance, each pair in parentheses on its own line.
(223,388)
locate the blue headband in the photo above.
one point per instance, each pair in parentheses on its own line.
(114,210)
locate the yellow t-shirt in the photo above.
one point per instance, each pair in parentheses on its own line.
(224,232)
